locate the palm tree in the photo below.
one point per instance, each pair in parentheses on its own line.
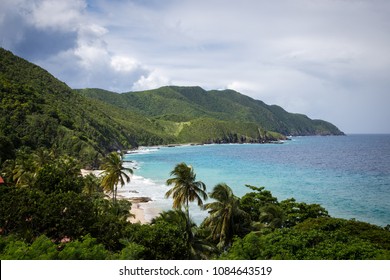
(198,247)
(41,157)
(92,185)
(226,218)
(186,189)
(272,215)
(24,172)
(114,173)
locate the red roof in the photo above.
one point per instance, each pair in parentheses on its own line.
(1,180)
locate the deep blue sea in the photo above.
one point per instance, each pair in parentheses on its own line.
(348,175)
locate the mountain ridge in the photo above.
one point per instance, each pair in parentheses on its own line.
(224,105)
(39,111)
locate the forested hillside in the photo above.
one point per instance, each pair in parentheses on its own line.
(37,110)
(183,104)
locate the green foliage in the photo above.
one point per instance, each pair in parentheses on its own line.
(253,202)
(14,249)
(162,241)
(185,187)
(114,174)
(197,245)
(42,170)
(272,216)
(87,249)
(131,251)
(42,248)
(226,219)
(30,213)
(111,225)
(37,110)
(296,212)
(265,210)
(249,247)
(320,238)
(62,176)
(92,185)
(68,225)
(223,111)
(7,149)
(209,130)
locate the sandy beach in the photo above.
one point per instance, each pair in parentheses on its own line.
(85,172)
(141,208)
(143,213)
(139,214)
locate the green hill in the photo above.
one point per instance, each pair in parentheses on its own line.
(183,104)
(37,110)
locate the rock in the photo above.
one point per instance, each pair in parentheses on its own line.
(141,199)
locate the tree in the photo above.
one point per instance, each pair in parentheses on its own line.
(7,150)
(41,157)
(297,212)
(226,219)
(198,247)
(273,216)
(114,173)
(161,240)
(92,185)
(29,213)
(186,189)
(131,251)
(250,247)
(111,222)
(86,249)
(15,249)
(254,202)
(24,170)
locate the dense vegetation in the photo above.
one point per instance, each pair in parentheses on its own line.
(38,111)
(224,109)
(49,211)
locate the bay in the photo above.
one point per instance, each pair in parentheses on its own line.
(348,175)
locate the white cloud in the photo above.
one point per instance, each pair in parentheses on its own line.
(91,48)
(151,81)
(124,64)
(242,86)
(52,14)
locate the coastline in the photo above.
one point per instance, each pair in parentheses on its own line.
(142,206)
(140,149)
(143,213)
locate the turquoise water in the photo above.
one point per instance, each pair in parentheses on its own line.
(349,176)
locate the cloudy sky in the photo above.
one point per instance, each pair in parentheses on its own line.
(329,59)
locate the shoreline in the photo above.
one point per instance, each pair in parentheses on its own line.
(140,148)
(142,209)
(143,213)
(141,206)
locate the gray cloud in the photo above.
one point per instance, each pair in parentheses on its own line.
(63,39)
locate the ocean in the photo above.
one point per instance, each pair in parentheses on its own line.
(348,175)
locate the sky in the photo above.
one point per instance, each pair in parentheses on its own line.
(328,59)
